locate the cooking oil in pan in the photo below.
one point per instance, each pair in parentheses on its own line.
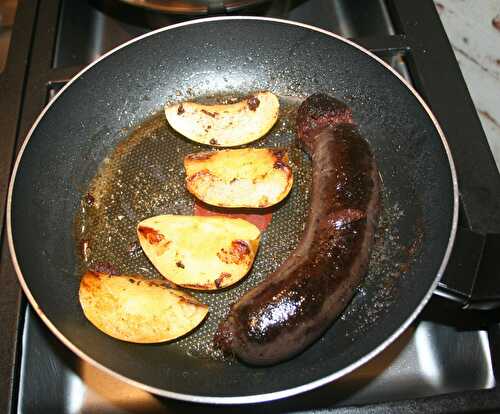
(144,176)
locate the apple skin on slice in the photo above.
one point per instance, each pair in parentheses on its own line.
(204,253)
(225,125)
(136,309)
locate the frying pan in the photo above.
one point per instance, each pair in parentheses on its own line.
(92,123)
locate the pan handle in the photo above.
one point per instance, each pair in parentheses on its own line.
(472,275)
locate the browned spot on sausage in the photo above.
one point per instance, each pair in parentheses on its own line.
(151,235)
(180,110)
(213,141)
(253,103)
(212,114)
(180,264)
(496,22)
(200,156)
(220,279)
(339,219)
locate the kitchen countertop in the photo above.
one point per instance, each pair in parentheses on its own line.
(473,28)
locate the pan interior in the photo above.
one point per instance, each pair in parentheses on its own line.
(102,133)
(144,177)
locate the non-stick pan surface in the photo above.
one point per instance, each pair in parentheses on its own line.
(101,108)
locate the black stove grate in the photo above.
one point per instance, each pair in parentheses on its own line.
(33,72)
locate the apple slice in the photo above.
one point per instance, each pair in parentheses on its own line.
(136,309)
(249,177)
(226,125)
(204,253)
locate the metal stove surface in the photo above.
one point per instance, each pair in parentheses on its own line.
(427,359)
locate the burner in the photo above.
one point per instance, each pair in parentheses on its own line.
(194,7)
(153,14)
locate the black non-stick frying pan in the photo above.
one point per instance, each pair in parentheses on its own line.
(103,120)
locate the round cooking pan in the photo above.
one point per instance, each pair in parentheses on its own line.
(93,119)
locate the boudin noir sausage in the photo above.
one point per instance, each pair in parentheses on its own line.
(294,305)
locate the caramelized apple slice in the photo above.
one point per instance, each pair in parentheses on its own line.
(248,177)
(225,125)
(203,253)
(136,309)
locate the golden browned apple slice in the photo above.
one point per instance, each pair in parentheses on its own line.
(248,177)
(225,125)
(203,253)
(135,309)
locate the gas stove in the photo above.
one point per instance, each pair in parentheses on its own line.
(447,361)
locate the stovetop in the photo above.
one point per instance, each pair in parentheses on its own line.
(445,362)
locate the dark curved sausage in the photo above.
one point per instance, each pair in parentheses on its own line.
(290,309)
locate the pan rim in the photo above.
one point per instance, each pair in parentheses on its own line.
(257,397)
